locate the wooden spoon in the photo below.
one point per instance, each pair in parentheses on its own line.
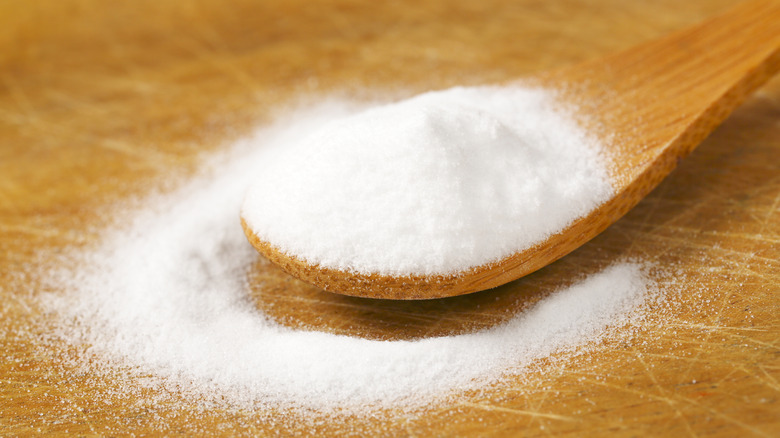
(651,104)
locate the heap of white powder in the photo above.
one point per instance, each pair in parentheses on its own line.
(435,184)
(167,294)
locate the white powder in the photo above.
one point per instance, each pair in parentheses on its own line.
(435,184)
(167,295)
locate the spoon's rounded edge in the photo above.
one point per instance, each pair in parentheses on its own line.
(480,278)
(418,287)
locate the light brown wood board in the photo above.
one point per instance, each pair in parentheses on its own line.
(101,102)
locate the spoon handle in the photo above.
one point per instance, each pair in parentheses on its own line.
(667,95)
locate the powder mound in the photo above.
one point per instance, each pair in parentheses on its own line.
(166,296)
(436,184)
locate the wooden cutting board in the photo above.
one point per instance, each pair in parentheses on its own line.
(101,101)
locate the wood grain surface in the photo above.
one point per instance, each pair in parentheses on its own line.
(102,102)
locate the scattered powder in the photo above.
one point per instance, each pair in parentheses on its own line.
(167,292)
(435,184)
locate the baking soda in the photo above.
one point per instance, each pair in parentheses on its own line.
(436,184)
(166,293)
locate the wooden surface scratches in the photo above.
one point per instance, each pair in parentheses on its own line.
(102,102)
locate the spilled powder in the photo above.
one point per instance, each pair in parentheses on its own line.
(435,184)
(166,294)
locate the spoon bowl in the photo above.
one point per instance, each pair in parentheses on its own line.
(651,105)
